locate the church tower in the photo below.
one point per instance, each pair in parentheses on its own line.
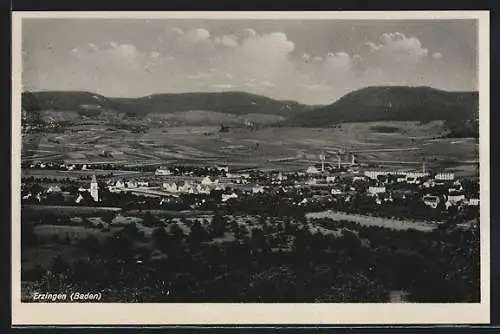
(94,192)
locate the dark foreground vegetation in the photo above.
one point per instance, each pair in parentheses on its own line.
(265,260)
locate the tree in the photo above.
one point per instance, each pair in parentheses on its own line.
(176,231)
(198,234)
(218,226)
(148,219)
(160,238)
(131,231)
(28,236)
(258,238)
(90,243)
(59,265)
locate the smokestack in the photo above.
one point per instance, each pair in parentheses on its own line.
(339,160)
(322,157)
(353,160)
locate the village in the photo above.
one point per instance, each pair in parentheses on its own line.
(318,187)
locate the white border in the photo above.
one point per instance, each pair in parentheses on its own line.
(247,314)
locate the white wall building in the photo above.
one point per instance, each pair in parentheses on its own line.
(311,182)
(376,190)
(372,174)
(330,179)
(94,189)
(456,198)
(336,191)
(415,175)
(223,169)
(163,172)
(201,189)
(131,184)
(473,202)
(226,197)
(258,190)
(432,201)
(444,177)
(207,181)
(170,187)
(54,189)
(312,170)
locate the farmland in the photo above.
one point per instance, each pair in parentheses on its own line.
(272,147)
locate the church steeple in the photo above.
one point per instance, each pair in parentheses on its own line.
(94,189)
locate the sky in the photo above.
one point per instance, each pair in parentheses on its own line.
(309,61)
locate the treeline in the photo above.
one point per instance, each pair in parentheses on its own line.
(273,261)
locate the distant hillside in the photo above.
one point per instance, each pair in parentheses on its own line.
(236,103)
(459,110)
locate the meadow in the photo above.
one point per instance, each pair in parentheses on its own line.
(406,145)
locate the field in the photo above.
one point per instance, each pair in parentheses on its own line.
(393,224)
(273,147)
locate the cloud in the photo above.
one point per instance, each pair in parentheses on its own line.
(198,60)
(337,62)
(227,40)
(247,33)
(437,55)
(224,86)
(396,47)
(318,87)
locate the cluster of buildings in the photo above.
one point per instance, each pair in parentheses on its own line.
(438,188)
(435,190)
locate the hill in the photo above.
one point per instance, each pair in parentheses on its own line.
(459,110)
(236,103)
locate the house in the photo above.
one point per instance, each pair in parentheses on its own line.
(311,181)
(411,180)
(432,201)
(330,179)
(142,184)
(473,202)
(185,187)
(401,179)
(79,198)
(456,197)
(358,178)
(376,190)
(131,184)
(312,170)
(336,191)
(429,184)
(303,202)
(54,189)
(201,189)
(226,197)
(163,172)
(224,169)
(257,190)
(373,174)
(120,184)
(207,181)
(415,175)
(170,187)
(444,177)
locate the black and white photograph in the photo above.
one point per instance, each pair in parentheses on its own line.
(251,160)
